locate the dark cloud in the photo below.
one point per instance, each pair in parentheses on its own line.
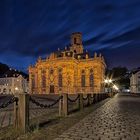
(29,29)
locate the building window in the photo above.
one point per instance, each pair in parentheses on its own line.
(43,79)
(51,71)
(91,80)
(33,81)
(138,89)
(83,71)
(4,90)
(60,81)
(83,82)
(91,70)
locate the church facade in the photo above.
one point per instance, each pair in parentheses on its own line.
(71,71)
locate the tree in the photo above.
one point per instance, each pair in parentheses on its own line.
(119,76)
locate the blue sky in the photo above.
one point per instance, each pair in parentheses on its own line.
(33,28)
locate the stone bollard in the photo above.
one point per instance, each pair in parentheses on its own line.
(89,99)
(81,104)
(21,113)
(63,105)
(96,98)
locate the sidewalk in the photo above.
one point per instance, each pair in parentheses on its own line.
(117,119)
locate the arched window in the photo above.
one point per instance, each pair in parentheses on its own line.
(83,83)
(51,71)
(91,78)
(83,79)
(60,78)
(43,78)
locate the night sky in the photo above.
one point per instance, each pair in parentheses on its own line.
(33,28)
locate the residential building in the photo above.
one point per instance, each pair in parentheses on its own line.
(13,84)
(135,82)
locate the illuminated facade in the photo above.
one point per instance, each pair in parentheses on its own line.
(71,70)
(135,82)
(13,84)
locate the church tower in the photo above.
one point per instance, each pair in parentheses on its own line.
(76,43)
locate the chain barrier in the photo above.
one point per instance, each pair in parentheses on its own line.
(92,97)
(11,101)
(45,105)
(85,98)
(74,100)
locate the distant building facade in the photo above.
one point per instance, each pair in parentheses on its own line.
(135,82)
(13,85)
(71,70)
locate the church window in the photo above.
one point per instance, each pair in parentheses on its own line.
(83,82)
(91,80)
(51,71)
(60,80)
(43,79)
(83,79)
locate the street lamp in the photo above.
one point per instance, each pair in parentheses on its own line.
(16,89)
(115,87)
(108,82)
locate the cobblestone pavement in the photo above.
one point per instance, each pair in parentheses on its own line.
(117,119)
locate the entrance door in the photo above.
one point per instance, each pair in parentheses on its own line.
(51,88)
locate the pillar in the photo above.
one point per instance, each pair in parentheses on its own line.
(21,113)
(81,104)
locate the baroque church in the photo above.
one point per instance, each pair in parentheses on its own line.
(72,70)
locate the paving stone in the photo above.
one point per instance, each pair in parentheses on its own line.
(117,119)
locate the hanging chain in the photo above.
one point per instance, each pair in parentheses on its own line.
(45,105)
(85,98)
(74,100)
(11,101)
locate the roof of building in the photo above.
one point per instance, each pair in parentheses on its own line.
(136,70)
(13,73)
